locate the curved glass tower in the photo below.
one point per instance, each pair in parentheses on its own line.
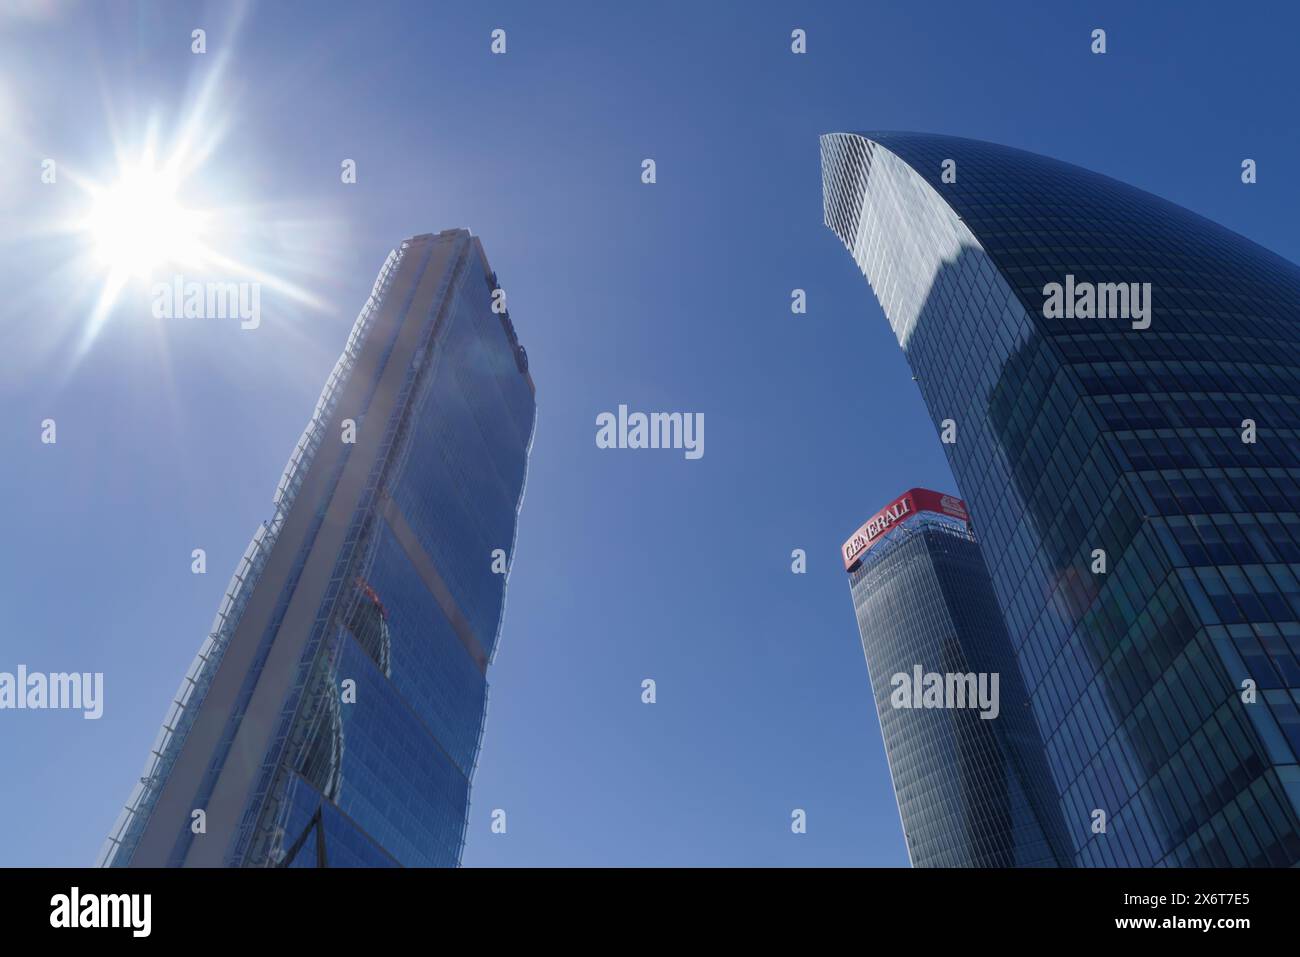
(1118,382)
(972,785)
(333,715)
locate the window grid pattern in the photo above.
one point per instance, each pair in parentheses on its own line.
(126,833)
(454,457)
(923,597)
(1079,434)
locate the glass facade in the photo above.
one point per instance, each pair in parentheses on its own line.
(1133,488)
(334,715)
(972,790)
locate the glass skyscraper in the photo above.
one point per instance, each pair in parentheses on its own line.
(968,768)
(1132,471)
(333,715)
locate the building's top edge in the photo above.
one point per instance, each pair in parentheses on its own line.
(453,233)
(899,141)
(906,505)
(464,232)
(888,134)
(889,138)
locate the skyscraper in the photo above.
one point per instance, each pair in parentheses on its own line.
(969,773)
(1117,382)
(333,715)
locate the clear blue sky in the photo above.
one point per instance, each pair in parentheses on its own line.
(171,435)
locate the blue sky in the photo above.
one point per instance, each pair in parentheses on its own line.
(172,434)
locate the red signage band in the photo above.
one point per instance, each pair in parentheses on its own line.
(912,501)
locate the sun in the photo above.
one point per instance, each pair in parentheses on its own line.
(160,210)
(138,225)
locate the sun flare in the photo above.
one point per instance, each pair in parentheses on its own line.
(138,224)
(161,213)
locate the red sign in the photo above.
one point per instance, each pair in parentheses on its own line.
(912,501)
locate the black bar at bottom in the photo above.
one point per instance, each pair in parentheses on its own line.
(303,906)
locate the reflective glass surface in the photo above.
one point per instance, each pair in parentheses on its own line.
(423,599)
(972,791)
(1087,436)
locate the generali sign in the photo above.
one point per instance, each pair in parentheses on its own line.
(911,501)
